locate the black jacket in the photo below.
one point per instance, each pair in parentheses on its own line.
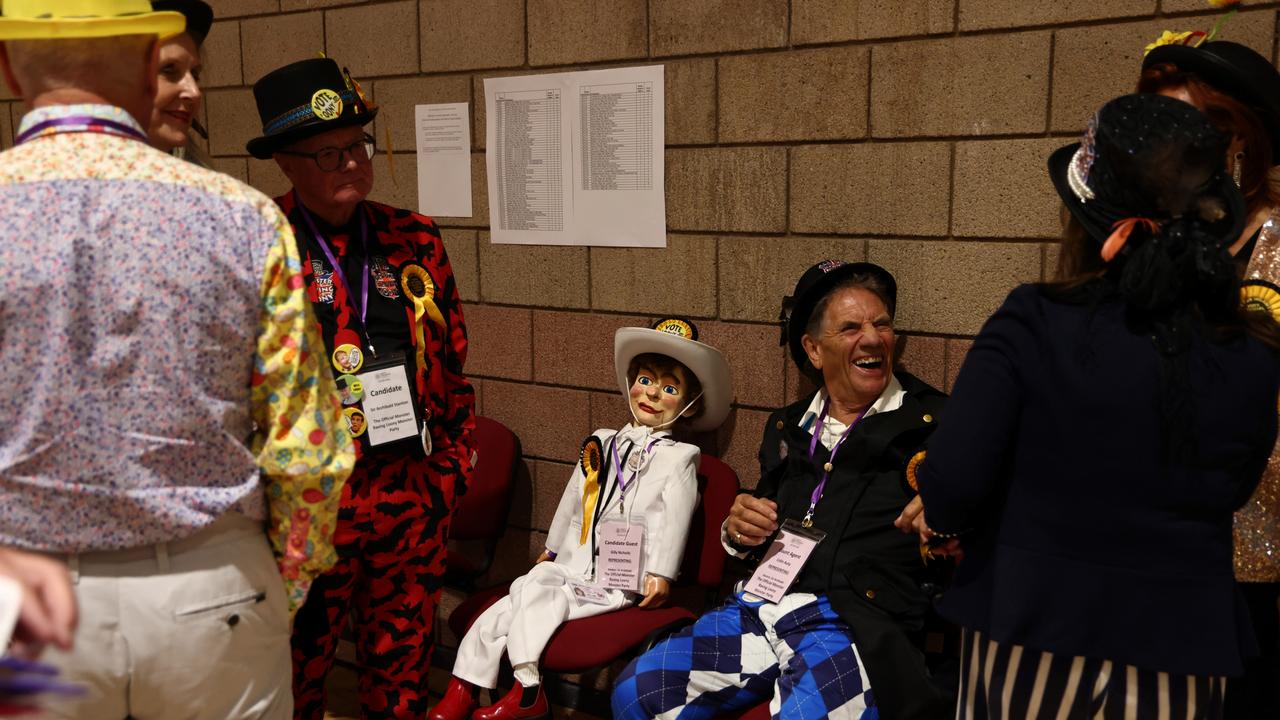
(870,571)
(1087,539)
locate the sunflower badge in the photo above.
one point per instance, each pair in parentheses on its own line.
(1196,38)
(1261,296)
(421,289)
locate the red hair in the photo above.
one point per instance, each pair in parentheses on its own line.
(1232,117)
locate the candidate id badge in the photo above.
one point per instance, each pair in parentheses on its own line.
(620,563)
(784,560)
(390,413)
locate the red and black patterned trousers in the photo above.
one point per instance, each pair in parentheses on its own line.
(391,560)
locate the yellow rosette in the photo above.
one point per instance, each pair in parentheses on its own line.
(591,459)
(1261,296)
(421,290)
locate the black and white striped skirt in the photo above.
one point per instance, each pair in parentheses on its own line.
(1011,682)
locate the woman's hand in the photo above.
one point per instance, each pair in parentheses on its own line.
(751,520)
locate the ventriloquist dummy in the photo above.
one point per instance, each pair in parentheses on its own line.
(619,532)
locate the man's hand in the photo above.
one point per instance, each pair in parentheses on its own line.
(656,590)
(545,556)
(751,519)
(912,520)
(48,610)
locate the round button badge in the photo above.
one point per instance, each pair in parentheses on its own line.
(355,422)
(350,389)
(347,358)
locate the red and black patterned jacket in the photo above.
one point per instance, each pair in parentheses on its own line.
(404,239)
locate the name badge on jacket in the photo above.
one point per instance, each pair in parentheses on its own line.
(784,560)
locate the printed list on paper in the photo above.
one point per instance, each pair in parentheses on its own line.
(577,158)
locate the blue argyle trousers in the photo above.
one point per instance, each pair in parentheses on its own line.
(797,654)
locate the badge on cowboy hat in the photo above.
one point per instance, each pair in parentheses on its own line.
(677,339)
(68,19)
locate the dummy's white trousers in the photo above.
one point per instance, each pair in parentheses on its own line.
(522,623)
(196,629)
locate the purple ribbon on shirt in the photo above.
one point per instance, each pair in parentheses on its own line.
(826,472)
(337,268)
(81,123)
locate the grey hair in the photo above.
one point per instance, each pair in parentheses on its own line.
(864,280)
(41,66)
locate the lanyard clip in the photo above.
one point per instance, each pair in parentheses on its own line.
(807,522)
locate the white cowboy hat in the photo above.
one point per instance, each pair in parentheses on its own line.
(677,339)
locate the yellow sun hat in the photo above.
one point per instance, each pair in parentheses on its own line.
(68,19)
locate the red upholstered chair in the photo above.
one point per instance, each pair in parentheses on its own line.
(480,517)
(595,642)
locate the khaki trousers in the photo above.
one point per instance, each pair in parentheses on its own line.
(196,629)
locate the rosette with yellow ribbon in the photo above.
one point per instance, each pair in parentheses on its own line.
(418,286)
(591,459)
(1261,296)
(421,290)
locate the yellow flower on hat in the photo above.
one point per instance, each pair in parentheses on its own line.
(1168,37)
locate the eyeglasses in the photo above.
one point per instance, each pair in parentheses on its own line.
(330,159)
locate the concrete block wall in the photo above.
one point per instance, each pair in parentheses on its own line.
(912,133)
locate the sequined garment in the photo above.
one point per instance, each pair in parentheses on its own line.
(1257,525)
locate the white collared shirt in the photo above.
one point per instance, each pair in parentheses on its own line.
(889,400)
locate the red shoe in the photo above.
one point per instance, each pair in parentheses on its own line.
(458,701)
(508,708)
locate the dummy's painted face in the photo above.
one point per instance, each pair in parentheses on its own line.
(854,346)
(178,96)
(658,397)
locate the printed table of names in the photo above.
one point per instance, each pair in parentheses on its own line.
(530,191)
(617,136)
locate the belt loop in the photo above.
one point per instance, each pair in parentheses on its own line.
(162,556)
(73,568)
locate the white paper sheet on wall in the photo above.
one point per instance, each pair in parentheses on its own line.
(444,159)
(577,158)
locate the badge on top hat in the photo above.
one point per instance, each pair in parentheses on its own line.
(306,98)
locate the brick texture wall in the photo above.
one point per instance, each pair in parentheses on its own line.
(911,133)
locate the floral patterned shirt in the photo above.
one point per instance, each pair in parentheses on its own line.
(160,356)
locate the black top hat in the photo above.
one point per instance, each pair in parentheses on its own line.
(1150,157)
(199,16)
(1237,71)
(814,285)
(303,99)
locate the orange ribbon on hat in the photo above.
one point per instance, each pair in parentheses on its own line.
(1120,233)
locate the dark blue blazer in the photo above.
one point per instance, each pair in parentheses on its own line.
(1083,539)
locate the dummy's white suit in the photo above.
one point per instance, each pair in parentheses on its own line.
(664,492)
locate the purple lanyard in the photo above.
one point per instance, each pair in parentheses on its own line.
(826,467)
(617,464)
(337,267)
(81,123)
